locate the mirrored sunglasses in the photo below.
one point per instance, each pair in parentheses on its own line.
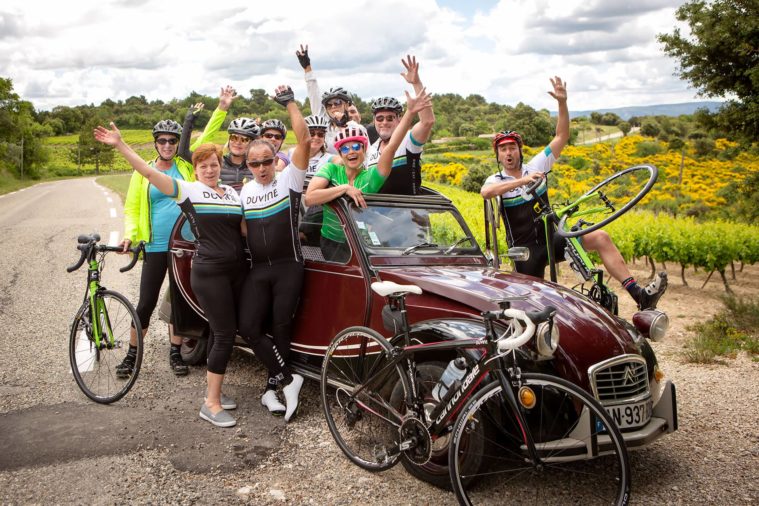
(347,148)
(239,138)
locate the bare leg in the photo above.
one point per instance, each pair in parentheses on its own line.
(173,338)
(213,402)
(600,242)
(133,336)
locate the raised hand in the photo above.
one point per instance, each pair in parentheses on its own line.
(110,137)
(283,95)
(412,70)
(415,104)
(559,89)
(226,96)
(196,108)
(302,55)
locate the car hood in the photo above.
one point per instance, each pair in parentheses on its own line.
(589,334)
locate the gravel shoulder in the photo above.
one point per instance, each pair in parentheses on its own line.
(55,446)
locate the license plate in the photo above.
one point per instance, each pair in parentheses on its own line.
(628,416)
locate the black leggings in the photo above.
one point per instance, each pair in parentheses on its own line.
(154,269)
(271,292)
(217,287)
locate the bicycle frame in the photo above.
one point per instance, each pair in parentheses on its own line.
(97,307)
(439,421)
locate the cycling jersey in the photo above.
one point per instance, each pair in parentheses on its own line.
(522,229)
(368,181)
(214,219)
(271,216)
(406,176)
(163,215)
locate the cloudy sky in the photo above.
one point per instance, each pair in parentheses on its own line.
(69,53)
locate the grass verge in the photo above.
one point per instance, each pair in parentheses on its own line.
(117,182)
(734,329)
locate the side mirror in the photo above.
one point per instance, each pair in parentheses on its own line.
(518,254)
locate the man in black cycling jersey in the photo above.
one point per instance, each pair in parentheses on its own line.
(406,176)
(523,227)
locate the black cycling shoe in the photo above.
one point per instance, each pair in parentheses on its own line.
(650,294)
(125,368)
(177,365)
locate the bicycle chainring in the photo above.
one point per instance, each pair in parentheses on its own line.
(414,432)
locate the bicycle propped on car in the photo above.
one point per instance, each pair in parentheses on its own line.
(521,435)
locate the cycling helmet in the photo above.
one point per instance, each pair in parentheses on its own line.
(506,136)
(337,92)
(386,104)
(245,126)
(352,132)
(167,126)
(274,124)
(317,121)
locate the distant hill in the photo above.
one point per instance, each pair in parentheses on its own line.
(651,110)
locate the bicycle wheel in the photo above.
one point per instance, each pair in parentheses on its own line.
(582,456)
(608,200)
(93,366)
(365,425)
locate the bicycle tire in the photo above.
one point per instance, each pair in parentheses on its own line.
(583,455)
(365,427)
(653,174)
(95,369)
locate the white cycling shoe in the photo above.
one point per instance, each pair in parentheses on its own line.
(272,403)
(291,392)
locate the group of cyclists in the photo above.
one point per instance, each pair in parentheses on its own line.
(249,193)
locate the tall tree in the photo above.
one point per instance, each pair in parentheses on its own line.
(88,151)
(720,57)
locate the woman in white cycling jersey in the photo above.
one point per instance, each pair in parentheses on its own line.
(218,267)
(271,202)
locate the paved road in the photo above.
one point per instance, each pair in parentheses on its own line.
(44,419)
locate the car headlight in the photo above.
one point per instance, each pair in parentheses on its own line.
(547,338)
(651,323)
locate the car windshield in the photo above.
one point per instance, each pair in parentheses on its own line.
(412,230)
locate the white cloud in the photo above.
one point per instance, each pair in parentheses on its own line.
(606,50)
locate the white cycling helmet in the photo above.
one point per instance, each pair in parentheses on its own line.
(317,121)
(353,132)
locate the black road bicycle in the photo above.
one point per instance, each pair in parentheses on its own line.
(102,328)
(531,437)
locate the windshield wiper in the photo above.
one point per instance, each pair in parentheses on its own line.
(410,250)
(455,244)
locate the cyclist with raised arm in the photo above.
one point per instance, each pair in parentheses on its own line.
(406,176)
(149,216)
(523,227)
(353,178)
(271,201)
(335,103)
(241,131)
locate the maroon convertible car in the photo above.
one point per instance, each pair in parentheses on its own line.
(423,240)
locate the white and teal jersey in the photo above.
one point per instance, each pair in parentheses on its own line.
(163,215)
(271,216)
(522,230)
(406,176)
(215,220)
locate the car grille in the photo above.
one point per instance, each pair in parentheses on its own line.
(623,378)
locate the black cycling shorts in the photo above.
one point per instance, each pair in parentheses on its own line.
(536,264)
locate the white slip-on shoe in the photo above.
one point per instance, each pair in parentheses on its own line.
(272,403)
(291,392)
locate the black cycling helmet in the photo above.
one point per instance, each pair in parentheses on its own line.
(274,124)
(167,126)
(317,121)
(337,92)
(387,104)
(245,126)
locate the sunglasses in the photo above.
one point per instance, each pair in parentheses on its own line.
(256,164)
(317,133)
(239,138)
(388,118)
(273,136)
(347,148)
(163,141)
(334,103)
